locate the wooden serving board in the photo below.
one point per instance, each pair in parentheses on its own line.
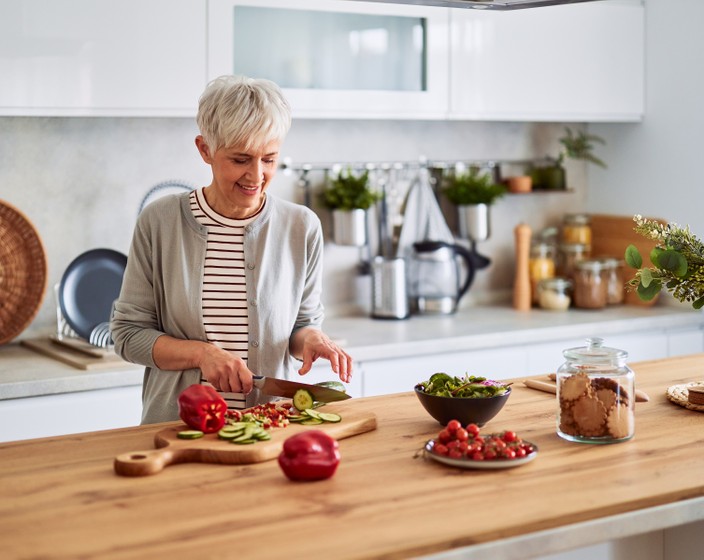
(77,358)
(211,449)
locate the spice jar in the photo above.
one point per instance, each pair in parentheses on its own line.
(615,292)
(576,228)
(595,395)
(569,254)
(590,284)
(554,294)
(541,265)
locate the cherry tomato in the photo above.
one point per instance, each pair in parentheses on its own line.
(452,426)
(509,436)
(473,429)
(455,454)
(477,456)
(444,436)
(440,449)
(461,434)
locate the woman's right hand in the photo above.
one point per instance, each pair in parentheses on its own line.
(224,371)
(221,369)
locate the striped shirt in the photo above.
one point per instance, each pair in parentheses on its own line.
(224,285)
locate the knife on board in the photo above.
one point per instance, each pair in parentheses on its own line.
(282,388)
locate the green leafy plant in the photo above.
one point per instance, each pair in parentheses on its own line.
(348,191)
(472,187)
(678,263)
(579,145)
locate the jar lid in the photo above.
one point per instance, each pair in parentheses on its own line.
(577,219)
(612,262)
(557,283)
(592,265)
(575,247)
(595,353)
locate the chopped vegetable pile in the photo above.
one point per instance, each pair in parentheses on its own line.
(468,386)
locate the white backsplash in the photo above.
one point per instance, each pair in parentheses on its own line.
(81,182)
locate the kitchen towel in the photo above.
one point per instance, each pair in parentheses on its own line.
(422,217)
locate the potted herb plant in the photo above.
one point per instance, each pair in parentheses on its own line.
(579,145)
(473,193)
(349,196)
(677,259)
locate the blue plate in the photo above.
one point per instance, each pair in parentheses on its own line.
(88,288)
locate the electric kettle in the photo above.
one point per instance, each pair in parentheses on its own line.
(435,273)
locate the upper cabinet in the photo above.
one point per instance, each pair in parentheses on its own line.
(335,58)
(101,57)
(579,62)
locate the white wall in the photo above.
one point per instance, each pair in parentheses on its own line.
(654,167)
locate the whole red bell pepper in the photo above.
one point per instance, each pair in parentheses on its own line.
(202,408)
(310,455)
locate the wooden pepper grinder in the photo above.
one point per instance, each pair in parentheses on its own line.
(521,284)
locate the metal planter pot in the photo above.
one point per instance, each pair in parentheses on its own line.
(349,227)
(473,221)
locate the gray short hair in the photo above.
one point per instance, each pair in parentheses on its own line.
(242,111)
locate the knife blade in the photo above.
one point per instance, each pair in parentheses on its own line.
(282,388)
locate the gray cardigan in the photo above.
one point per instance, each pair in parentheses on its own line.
(162,292)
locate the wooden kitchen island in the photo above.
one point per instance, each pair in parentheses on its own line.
(60,497)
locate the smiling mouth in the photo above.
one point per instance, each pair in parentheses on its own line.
(248,188)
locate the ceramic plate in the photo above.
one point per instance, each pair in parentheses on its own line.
(89,286)
(485,465)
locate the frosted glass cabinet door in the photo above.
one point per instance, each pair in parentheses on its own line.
(102,57)
(578,62)
(336,58)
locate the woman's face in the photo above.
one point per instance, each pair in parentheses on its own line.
(240,177)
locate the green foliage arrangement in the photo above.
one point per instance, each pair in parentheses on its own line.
(348,191)
(472,187)
(579,145)
(678,263)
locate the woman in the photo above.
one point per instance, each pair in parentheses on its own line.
(225,281)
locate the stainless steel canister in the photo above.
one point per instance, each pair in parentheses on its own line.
(389,291)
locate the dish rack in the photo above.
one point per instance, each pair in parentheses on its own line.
(100,337)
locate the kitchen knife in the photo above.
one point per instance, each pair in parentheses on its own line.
(283,388)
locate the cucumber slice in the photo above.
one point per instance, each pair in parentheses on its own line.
(243,441)
(312,413)
(190,434)
(337,385)
(303,399)
(312,422)
(298,418)
(329,416)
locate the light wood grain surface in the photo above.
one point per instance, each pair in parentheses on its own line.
(60,498)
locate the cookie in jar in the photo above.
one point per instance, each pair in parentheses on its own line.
(595,395)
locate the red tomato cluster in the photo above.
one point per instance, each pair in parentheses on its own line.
(269,415)
(459,442)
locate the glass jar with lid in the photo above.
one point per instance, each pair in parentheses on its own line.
(590,284)
(595,395)
(554,294)
(576,228)
(568,255)
(615,291)
(541,265)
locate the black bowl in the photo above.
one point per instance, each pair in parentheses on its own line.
(467,410)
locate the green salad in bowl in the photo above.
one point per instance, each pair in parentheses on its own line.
(468,386)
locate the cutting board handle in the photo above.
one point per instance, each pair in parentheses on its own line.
(141,463)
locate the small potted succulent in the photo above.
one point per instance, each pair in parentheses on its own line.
(677,259)
(473,192)
(579,145)
(349,196)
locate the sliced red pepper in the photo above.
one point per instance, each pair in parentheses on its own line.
(202,408)
(310,455)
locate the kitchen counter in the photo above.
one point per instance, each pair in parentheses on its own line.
(24,373)
(60,497)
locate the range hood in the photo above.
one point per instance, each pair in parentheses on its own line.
(485,4)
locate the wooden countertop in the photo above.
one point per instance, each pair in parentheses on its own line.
(60,497)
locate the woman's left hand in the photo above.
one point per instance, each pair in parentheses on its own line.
(314,344)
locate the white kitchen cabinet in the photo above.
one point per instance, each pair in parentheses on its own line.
(335,58)
(578,62)
(101,57)
(70,413)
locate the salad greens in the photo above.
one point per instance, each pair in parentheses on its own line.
(468,386)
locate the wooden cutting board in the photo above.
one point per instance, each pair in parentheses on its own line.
(611,234)
(75,357)
(211,449)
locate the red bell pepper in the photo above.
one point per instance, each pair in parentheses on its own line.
(310,455)
(202,408)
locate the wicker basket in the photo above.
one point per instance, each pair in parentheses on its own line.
(23,272)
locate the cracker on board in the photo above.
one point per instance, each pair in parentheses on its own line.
(574,387)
